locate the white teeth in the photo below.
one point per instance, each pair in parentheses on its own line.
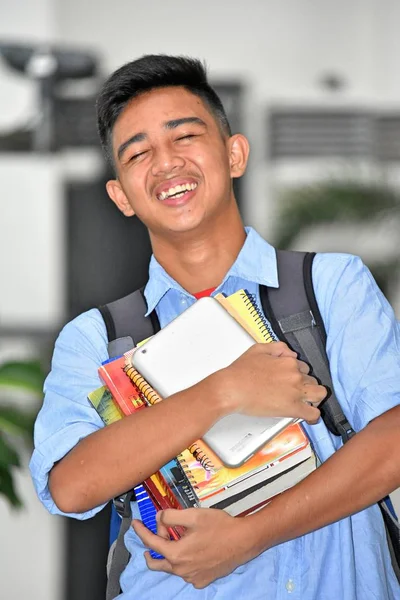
(178,189)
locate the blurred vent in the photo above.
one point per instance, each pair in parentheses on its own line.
(75,122)
(231,96)
(312,134)
(388,138)
(75,118)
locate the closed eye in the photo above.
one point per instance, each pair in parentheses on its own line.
(186,137)
(136,156)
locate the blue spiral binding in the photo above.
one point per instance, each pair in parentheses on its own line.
(147,512)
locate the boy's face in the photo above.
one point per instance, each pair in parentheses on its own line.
(174,165)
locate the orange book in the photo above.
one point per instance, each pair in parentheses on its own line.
(125,394)
(285,451)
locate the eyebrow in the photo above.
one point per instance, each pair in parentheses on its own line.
(173,124)
(183,121)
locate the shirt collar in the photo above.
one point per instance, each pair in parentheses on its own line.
(255,262)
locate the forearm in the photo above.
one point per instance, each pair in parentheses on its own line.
(366,469)
(119,456)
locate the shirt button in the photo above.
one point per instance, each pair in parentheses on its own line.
(290,586)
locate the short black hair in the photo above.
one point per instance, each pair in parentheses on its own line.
(147,73)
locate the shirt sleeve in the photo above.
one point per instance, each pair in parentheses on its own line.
(363,337)
(67,415)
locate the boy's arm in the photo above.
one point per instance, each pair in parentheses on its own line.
(366,469)
(114,459)
(363,347)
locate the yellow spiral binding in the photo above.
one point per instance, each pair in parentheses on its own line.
(186,469)
(150,396)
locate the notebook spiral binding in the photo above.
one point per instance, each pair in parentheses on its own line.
(265,329)
(186,469)
(200,455)
(149,395)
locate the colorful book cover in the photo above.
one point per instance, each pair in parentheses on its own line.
(148,503)
(291,445)
(179,484)
(242,306)
(125,394)
(102,400)
(163,498)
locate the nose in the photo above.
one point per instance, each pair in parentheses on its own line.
(166,160)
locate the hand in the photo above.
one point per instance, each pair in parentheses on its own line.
(213,546)
(268,380)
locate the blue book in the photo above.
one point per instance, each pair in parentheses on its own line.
(147,512)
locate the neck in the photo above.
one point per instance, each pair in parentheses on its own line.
(199,260)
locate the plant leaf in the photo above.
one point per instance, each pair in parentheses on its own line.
(14,421)
(8,455)
(26,375)
(7,487)
(332,201)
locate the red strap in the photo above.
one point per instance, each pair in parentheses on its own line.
(204,293)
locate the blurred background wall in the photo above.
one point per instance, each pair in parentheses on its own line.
(314,85)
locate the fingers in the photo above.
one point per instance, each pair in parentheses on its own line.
(309,380)
(171,517)
(311,414)
(278,349)
(303,367)
(162,529)
(157,564)
(149,539)
(314,393)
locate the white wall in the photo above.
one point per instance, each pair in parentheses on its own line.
(280,49)
(31,540)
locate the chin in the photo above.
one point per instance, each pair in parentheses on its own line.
(184,225)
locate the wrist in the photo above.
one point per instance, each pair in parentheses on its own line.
(250,538)
(205,399)
(222,396)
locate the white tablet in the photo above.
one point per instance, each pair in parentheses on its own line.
(200,341)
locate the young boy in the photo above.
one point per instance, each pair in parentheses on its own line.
(166,133)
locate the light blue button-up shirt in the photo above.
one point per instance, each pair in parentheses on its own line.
(347,560)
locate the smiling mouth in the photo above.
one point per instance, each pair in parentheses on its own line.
(178,191)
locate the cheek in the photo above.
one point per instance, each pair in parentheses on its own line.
(214,165)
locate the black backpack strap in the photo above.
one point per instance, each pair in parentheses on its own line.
(118,555)
(126,322)
(126,326)
(293,312)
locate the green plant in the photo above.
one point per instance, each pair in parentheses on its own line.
(16,425)
(340,202)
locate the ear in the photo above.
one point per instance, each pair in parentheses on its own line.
(117,195)
(238,147)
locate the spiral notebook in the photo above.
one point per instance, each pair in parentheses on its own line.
(285,451)
(242,306)
(200,341)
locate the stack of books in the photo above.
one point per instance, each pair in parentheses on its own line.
(197,477)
